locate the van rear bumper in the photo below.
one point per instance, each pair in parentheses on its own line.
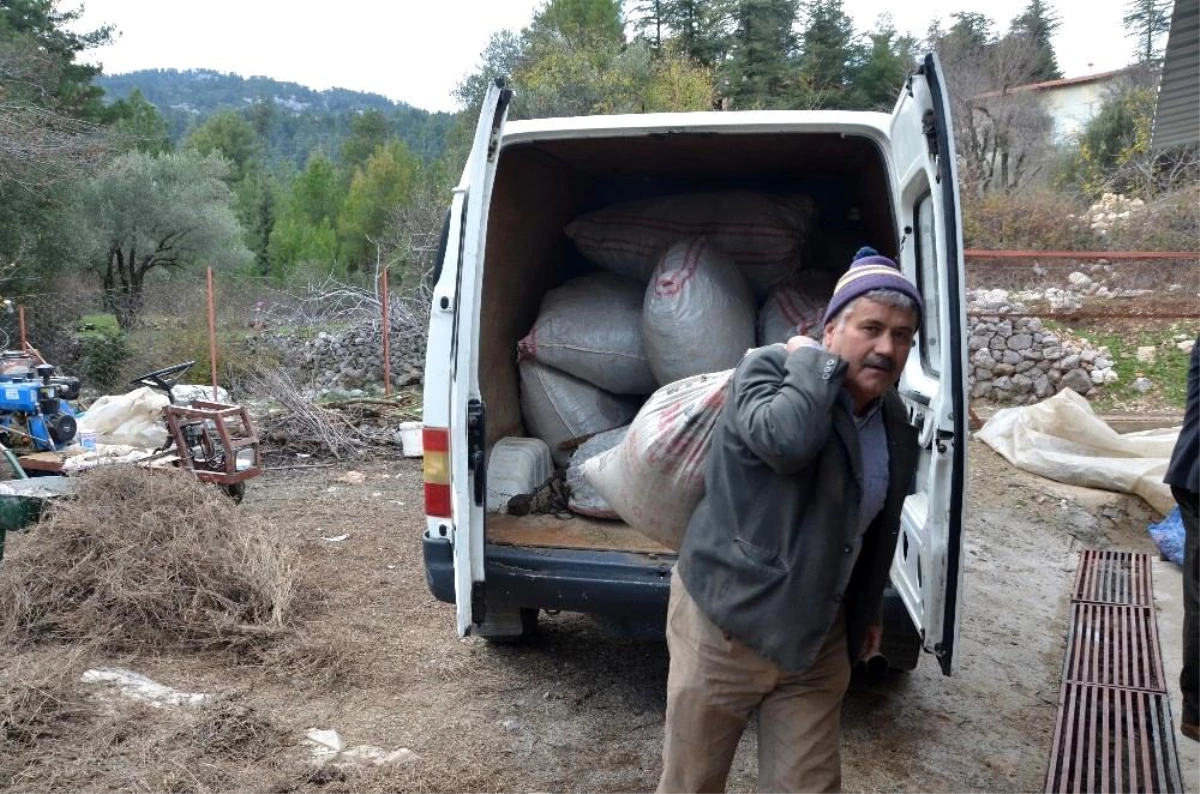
(612,583)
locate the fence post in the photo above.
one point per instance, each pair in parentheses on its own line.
(212,333)
(387,335)
(21,323)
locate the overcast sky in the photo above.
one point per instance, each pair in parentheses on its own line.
(416,51)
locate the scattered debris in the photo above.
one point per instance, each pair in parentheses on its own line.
(337,538)
(353,478)
(139,687)
(329,748)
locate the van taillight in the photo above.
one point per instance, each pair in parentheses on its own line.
(436,443)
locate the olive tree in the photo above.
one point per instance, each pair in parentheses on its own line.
(145,212)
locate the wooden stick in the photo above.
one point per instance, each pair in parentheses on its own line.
(387,334)
(212,333)
(21,321)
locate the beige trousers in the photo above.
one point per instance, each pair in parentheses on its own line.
(716,683)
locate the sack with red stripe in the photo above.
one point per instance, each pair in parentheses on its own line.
(698,314)
(591,327)
(796,308)
(762,232)
(655,477)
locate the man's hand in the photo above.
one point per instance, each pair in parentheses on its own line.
(871,641)
(797,342)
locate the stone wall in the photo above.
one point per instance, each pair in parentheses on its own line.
(350,359)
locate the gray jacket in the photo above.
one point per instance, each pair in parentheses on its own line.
(768,552)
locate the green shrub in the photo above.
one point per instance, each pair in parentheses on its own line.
(103,350)
(163,341)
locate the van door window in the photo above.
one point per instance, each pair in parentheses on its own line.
(930,286)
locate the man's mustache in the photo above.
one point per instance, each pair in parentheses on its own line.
(876,361)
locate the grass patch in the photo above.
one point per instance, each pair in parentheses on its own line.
(1167,374)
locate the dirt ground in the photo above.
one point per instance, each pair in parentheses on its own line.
(574,709)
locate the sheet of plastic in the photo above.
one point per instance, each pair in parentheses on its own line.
(1062,439)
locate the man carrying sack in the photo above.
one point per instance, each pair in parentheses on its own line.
(779,585)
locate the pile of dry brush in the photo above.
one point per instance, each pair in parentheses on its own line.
(338,429)
(141,561)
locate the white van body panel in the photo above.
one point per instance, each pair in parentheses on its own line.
(927,569)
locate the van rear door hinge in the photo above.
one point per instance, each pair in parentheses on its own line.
(476,457)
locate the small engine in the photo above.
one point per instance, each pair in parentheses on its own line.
(33,404)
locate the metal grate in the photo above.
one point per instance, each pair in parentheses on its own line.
(1114,645)
(1114,577)
(1114,730)
(1113,739)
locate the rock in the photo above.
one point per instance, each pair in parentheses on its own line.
(1041,386)
(1020,342)
(1088,356)
(983,358)
(982,374)
(1053,352)
(1142,384)
(1032,354)
(1002,384)
(1069,362)
(1035,324)
(1022,384)
(981,390)
(1003,369)
(1025,366)
(1078,381)
(997,343)
(1146,354)
(1110,376)
(1186,347)
(1098,377)
(1011,357)
(977,343)
(1004,329)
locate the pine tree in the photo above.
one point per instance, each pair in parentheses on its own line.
(646,19)
(1038,21)
(827,49)
(761,70)
(1147,22)
(699,27)
(883,67)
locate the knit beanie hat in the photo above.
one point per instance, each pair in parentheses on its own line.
(870,271)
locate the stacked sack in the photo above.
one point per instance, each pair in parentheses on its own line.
(688,284)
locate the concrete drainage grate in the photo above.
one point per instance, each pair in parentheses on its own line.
(1114,730)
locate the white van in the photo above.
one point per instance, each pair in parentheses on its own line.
(879,180)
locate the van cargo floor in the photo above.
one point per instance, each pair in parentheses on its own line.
(578,532)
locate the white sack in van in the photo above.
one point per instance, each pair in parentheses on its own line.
(655,477)
(591,327)
(796,308)
(762,232)
(698,315)
(585,499)
(559,408)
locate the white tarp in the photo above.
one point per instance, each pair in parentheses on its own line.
(1060,438)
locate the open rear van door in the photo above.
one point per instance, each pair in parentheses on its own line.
(454,433)
(927,570)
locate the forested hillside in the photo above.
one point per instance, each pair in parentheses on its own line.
(295,120)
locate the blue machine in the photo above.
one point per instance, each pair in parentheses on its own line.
(33,405)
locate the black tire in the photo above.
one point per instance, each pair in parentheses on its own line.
(236,492)
(901,644)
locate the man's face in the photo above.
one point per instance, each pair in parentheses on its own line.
(874,339)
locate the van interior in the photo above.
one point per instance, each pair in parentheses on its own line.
(541,186)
